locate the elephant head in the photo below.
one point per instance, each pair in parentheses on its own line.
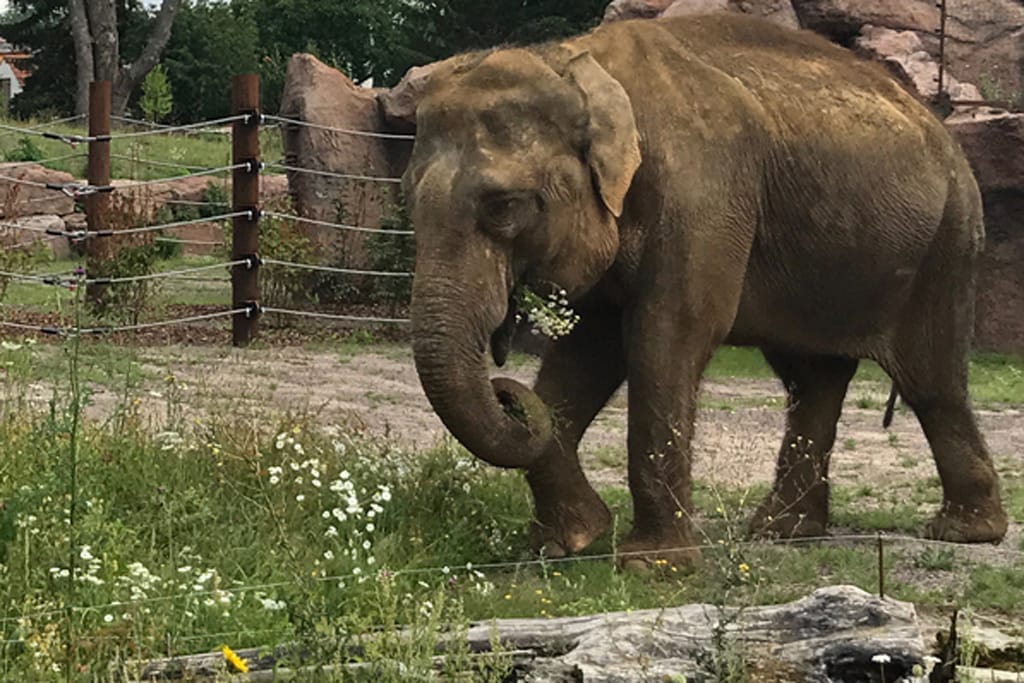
(521,165)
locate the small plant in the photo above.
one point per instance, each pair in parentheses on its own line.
(393,253)
(281,239)
(129,256)
(217,201)
(156,102)
(25,150)
(935,559)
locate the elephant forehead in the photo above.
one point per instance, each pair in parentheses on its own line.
(505,92)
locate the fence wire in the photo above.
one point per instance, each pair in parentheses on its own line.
(334,129)
(887,540)
(112,329)
(332,174)
(337,226)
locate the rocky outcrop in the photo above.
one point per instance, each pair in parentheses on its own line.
(619,10)
(318,94)
(22,195)
(32,230)
(779,11)
(903,53)
(994,142)
(985,38)
(27,210)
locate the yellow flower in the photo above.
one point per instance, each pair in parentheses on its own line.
(744,567)
(296,430)
(508,596)
(234,660)
(556,573)
(539,592)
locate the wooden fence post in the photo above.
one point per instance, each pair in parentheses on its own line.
(245,196)
(97,205)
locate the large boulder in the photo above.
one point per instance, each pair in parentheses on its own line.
(994,142)
(903,53)
(619,10)
(22,194)
(317,94)
(32,230)
(985,38)
(780,11)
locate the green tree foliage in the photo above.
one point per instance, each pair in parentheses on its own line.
(441,28)
(210,43)
(41,27)
(213,40)
(155,102)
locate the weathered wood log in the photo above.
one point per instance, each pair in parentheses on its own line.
(835,635)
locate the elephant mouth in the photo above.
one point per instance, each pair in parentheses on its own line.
(501,338)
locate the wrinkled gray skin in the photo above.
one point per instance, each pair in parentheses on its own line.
(693,182)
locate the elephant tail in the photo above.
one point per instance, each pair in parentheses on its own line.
(890,406)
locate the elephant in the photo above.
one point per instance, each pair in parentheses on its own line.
(692,182)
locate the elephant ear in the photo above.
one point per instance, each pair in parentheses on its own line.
(614,153)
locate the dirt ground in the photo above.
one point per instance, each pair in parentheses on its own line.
(739,425)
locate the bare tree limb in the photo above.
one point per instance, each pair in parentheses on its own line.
(83,53)
(132,75)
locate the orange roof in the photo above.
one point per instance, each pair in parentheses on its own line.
(19,73)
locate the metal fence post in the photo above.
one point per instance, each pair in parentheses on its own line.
(97,204)
(245,196)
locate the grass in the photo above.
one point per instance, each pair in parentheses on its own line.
(257,528)
(200,149)
(995,379)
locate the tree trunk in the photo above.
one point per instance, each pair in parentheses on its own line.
(98,53)
(83,54)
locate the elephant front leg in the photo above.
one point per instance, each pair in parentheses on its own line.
(666,364)
(577,377)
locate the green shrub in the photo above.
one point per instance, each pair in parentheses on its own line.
(26,150)
(393,253)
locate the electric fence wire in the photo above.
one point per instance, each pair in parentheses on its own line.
(333,129)
(62,279)
(448,569)
(332,269)
(113,329)
(338,226)
(332,174)
(86,234)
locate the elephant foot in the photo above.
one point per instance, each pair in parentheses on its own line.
(962,524)
(675,550)
(565,528)
(776,519)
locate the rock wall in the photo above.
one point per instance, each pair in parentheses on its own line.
(26,209)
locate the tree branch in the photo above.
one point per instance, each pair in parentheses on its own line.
(83,54)
(131,75)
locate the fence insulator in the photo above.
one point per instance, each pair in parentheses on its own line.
(245,198)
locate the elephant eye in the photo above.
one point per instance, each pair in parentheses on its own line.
(506,214)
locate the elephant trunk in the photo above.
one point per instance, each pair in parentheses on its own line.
(500,421)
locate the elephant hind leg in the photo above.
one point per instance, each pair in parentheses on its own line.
(930,368)
(798,504)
